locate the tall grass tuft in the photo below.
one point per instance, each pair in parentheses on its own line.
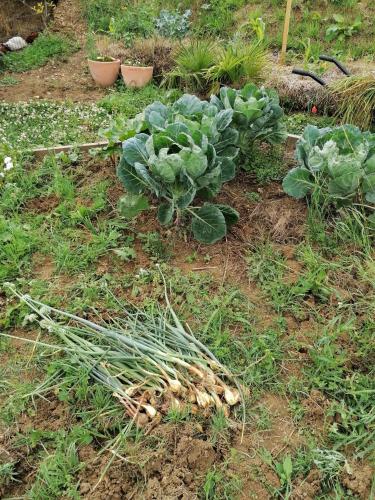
(238,64)
(356,100)
(204,65)
(192,62)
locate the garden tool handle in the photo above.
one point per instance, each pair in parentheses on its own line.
(315,77)
(335,61)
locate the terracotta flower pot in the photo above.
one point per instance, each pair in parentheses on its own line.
(104,73)
(136,76)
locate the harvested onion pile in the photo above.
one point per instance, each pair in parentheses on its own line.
(148,359)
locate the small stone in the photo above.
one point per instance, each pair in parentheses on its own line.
(84,488)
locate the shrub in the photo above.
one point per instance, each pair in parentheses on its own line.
(356,99)
(257,115)
(337,164)
(136,20)
(100,12)
(189,151)
(237,64)
(173,24)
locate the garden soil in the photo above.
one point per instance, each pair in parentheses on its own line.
(176,465)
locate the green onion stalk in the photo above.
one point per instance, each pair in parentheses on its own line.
(149,360)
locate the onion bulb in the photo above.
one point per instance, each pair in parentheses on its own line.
(195,371)
(203,399)
(175,385)
(231,396)
(150,410)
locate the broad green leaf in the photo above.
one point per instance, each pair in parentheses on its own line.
(156,114)
(156,121)
(168,167)
(229,138)
(230,214)
(134,149)
(211,155)
(161,140)
(347,182)
(369,165)
(188,105)
(227,97)
(210,177)
(129,177)
(174,129)
(208,224)
(149,182)
(370,196)
(130,205)
(215,101)
(230,152)
(369,183)
(228,169)
(165,213)
(185,193)
(194,161)
(297,182)
(288,467)
(223,119)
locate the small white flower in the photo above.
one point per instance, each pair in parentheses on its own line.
(2,174)
(8,166)
(7,160)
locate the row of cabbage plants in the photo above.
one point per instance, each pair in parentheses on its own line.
(181,154)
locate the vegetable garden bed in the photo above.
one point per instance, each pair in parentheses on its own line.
(283,303)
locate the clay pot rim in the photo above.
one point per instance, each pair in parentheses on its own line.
(105,62)
(138,67)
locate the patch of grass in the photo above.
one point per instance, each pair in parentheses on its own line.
(353,397)
(120,19)
(216,18)
(8,81)
(7,473)
(129,101)
(44,48)
(56,475)
(155,247)
(266,163)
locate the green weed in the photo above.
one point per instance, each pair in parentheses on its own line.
(8,81)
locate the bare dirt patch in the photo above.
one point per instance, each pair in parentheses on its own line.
(43,204)
(173,468)
(359,479)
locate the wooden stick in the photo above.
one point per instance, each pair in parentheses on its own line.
(286,31)
(40,153)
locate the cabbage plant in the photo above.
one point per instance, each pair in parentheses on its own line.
(257,114)
(339,162)
(185,151)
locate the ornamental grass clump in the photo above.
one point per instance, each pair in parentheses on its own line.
(356,100)
(149,360)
